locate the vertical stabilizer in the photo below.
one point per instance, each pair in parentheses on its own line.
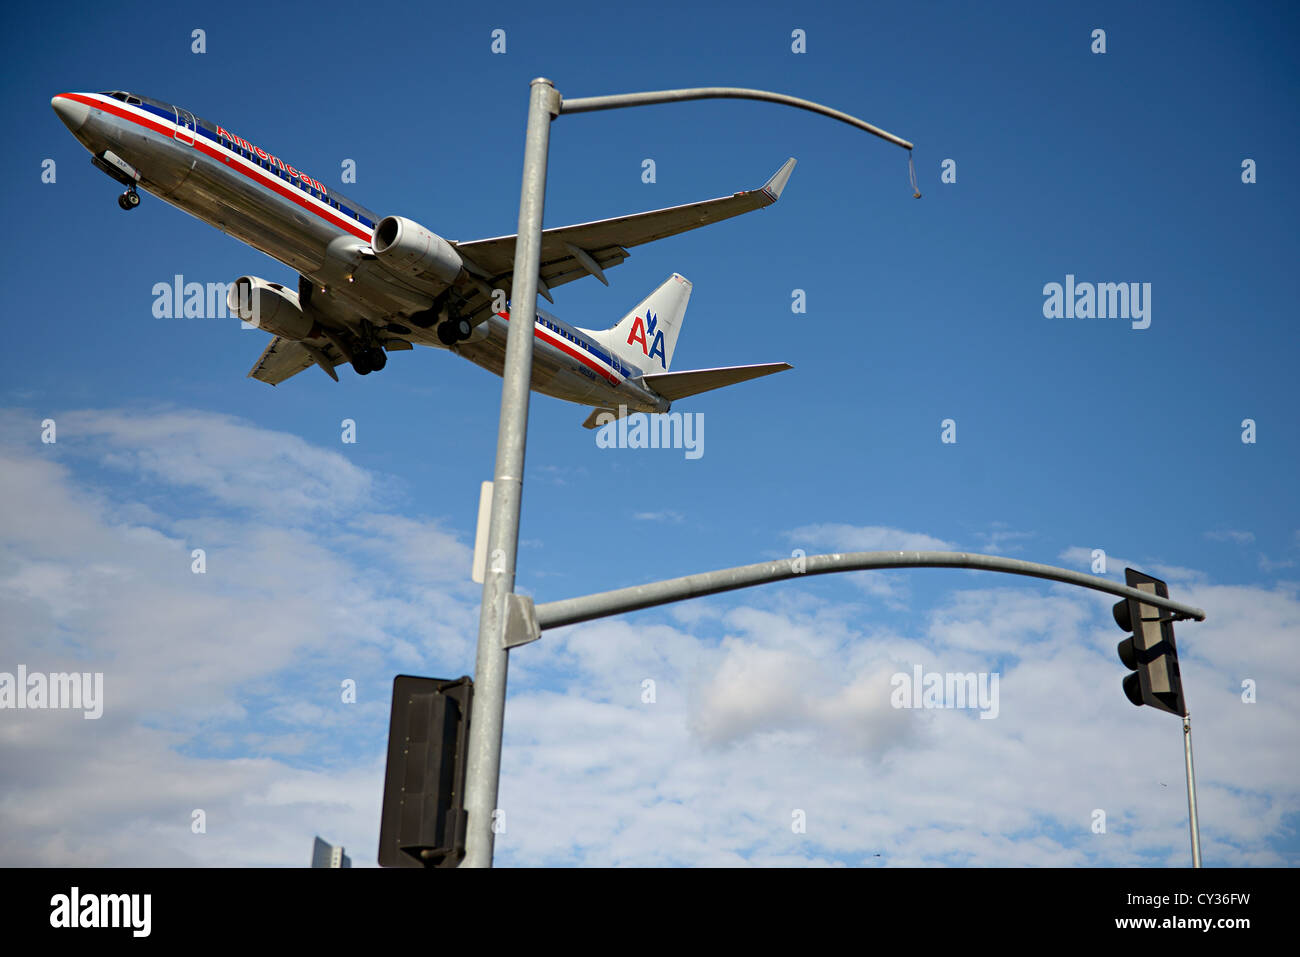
(646,336)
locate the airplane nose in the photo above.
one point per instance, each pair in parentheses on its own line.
(72,113)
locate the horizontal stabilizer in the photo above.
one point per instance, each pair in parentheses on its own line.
(595,421)
(679,385)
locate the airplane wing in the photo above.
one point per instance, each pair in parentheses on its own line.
(571,252)
(287,357)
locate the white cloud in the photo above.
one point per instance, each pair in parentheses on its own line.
(999,539)
(666,515)
(866,538)
(1231,535)
(1267,564)
(223,692)
(787,711)
(232,462)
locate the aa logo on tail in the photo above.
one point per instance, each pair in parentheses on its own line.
(642,333)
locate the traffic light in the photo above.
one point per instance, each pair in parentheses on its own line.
(1149,652)
(423,822)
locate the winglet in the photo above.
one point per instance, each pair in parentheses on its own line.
(777,183)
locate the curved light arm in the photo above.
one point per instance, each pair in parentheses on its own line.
(554,614)
(586,104)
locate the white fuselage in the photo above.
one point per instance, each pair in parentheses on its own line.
(238,187)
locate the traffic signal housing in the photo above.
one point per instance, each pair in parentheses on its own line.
(424,818)
(1149,652)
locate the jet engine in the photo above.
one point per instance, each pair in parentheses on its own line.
(269,306)
(405,247)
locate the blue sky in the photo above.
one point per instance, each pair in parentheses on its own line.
(330,561)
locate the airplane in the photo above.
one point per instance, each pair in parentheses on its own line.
(369,285)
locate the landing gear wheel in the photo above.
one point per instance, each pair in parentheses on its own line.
(366,361)
(129,200)
(453,331)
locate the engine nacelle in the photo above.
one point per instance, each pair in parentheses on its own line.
(269,306)
(408,249)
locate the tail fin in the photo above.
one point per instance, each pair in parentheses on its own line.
(646,336)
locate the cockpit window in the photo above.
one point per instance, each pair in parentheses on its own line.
(133,100)
(116,94)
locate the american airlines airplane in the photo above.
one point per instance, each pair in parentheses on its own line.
(369,285)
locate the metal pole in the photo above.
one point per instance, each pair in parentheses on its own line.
(488,715)
(1191,792)
(585,104)
(569,611)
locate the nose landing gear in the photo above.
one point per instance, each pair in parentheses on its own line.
(124,173)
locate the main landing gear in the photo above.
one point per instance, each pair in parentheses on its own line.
(129,200)
(366,361)
(453,331)
(451,328)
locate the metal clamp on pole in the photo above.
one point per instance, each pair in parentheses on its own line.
(521,622)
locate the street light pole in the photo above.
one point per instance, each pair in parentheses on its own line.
(487,718)
(496,634)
